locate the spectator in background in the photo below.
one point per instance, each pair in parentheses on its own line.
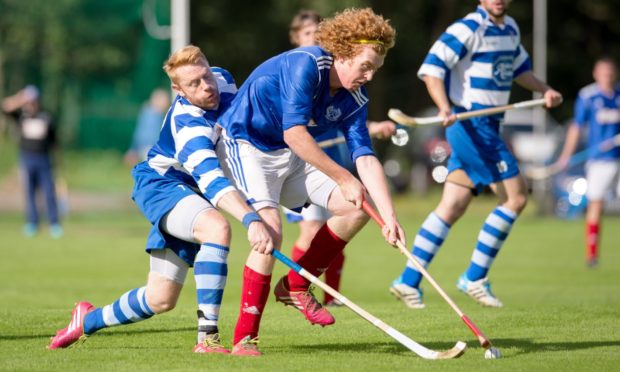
(598,108)
(147,129)
(37,138)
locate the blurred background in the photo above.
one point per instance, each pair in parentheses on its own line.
(97,62)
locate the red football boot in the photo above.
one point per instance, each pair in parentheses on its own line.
(246,347)
(211,344)
(305,302)
(75,330)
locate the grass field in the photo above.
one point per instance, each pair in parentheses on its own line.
(559,315)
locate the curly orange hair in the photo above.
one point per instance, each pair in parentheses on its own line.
(188,55)
(346,33)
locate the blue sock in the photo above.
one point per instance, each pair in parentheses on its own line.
(210,272)
(131,307)
(426,244)
(490,240)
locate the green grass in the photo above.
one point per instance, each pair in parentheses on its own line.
(559,315)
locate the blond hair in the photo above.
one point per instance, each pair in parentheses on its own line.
(188,55)
(346,33)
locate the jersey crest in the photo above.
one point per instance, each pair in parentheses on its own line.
(332,113)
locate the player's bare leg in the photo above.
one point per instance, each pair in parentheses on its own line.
(456,196)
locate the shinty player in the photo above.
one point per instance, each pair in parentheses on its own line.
(269,150)
(178,189)
(472,66)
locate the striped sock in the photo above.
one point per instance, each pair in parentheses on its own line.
(490,240)
(210,272)
(129,308)
(425,246)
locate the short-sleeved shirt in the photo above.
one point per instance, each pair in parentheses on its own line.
(292,89)
(600,113)
(478,60)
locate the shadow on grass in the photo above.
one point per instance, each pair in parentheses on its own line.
(365,347)
(104,333)
(522,346)
(527,346)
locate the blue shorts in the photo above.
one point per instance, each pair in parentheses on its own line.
(156,195)
(480,152)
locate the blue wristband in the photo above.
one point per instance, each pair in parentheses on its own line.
(249,218)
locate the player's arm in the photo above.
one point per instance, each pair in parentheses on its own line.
(570,144)
(437,91)
(195,150)
(529,81)
(371,173)
(452,46)
(258,233)
(304,145)
(381,129)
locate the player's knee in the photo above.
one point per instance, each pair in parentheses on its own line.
(358,217)
(161,304)
(213,229)
(517,203)
(452,212)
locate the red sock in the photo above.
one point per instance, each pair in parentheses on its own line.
(324,247)
(296,253)
(332,275)
(592,234)
(254,294)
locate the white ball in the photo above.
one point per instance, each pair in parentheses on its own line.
(492,353)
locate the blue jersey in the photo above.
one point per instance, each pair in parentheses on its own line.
(292,89)
(185,150)
(601,114)
(478,60)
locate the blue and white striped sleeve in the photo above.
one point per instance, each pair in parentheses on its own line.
(450,48)
(195,140)
(522,62)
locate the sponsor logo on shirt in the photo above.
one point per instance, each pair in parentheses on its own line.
(608,116)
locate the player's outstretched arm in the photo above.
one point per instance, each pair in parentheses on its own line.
(529,81)
(570,144)
(437,91)
(304,145)
(371,173)
(258,234)
(381,129)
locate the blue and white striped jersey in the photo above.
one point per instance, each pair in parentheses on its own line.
(292,89)
(186,147)
(478,60)
(601,114)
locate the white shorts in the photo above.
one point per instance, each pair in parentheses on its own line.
(310,213)
(601,174)
(270,179)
